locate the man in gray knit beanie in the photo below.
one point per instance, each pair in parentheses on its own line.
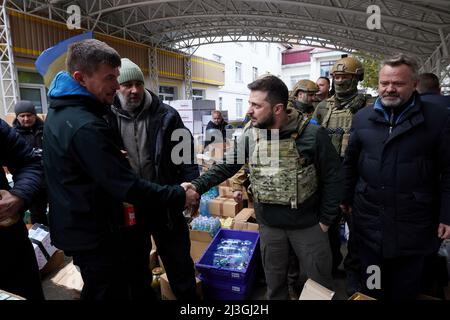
(145,125)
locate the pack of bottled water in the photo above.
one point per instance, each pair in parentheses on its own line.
(233,254)
(209,224)
(204,199)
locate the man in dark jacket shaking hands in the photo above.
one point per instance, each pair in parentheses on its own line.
(89,179)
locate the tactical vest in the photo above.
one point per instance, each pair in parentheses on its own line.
(339,121)
(286,180)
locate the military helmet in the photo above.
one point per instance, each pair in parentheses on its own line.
(306,86)
(349,65)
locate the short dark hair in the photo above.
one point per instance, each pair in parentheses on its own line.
(428,82)
(87,56)
(277,92)
(325,78)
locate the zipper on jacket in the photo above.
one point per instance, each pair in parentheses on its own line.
(391,121)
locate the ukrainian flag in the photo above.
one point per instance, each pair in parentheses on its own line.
(53,59)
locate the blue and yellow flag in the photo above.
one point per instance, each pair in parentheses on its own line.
(52,60)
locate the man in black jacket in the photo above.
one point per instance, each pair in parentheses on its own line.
(19,273)
(397,182)
(31,128)
(215,128)
(430,91)
(89,179)
(296,194)
(146,126)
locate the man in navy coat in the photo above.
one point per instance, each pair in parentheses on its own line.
(397,182)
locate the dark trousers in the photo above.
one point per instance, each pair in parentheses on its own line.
(400,277)
(352,263)
(335,246)
(311,247)
(294,281)
(174,247)
(19,272)
(118,268)
(38,208)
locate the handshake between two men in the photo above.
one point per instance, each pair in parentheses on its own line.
(192,197)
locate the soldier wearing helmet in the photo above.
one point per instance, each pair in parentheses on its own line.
(336,114)
(302,96)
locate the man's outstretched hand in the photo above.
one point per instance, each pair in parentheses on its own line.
(192,197)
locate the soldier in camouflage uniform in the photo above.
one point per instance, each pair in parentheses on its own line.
(336,114)
(296,195)
(303,96)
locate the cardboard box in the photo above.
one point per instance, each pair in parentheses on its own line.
(166,291)
(69,277)
(199,242)
(161,265)
(225,183)
(5,295)
(204,160)
(225,192)
(224,207)
(55,262)
(40,257)
(215,151)
(314,291)
(153,243)
(244,220)
(227,223)
(40,235)
(360,296)
(153,262)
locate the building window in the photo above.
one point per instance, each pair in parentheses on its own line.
(325,68)
(255,73)
(239,108)
(36,93)
(167,93)
(295,79)
(220,103)
(198,94)
(217,58)
(238,71)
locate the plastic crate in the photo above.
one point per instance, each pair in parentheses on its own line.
(214,289)
(208,271)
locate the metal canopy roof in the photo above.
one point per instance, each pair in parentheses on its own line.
(418,27)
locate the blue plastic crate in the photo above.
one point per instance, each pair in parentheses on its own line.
(208,271)
(214,289)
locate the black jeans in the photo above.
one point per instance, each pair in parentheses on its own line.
(174,247)
(118,268)
(19,272)
(38,207)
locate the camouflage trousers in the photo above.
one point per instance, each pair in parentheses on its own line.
(312,248)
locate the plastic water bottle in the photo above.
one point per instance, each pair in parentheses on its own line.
(204,211)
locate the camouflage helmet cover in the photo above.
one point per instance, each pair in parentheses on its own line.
(306,86)
(349,65)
